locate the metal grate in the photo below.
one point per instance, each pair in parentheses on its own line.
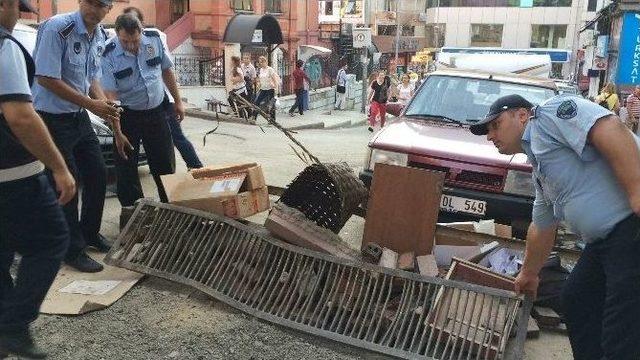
(390,311)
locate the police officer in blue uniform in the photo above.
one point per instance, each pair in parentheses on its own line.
(31,219)
(586,171)
(67,56)
(135,70)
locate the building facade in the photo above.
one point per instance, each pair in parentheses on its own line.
(512,24)
(201,23)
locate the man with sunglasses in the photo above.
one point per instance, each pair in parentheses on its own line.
(67,57)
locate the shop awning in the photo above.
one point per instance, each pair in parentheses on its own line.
(253,30)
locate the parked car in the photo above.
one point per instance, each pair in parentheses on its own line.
(432,133)
(27,36)
(567,87)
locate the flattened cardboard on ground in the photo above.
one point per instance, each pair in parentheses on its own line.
(403,208)
(60,303)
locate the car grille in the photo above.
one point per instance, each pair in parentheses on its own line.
(466,178)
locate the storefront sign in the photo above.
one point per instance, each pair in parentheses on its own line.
(257,36)
(361,37)
(629,59)
(406,44)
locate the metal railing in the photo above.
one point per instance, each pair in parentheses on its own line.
(193,71)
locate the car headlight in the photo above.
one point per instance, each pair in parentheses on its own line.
(519,183)
(387,157)
(101,129)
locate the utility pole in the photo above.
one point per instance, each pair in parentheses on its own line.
(398,30)
(365,57)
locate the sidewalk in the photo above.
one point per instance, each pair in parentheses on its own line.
(313,119)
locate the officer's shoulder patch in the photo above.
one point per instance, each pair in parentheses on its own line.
(109,48)
(66,31)
(153,33)
(567,110)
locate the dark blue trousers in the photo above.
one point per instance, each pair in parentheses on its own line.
(80,147)
(184,146)
(33,225)
(601,299)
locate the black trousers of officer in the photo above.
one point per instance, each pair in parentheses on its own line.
(149,127)
(78,143)
(33,225)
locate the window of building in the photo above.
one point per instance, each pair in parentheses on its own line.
(390,5)
(486,35)
(386,29)
(548,36)
(328,7)
(592,5)
(178,9)
(435,35)
(551,3)
(273,6)
(408,30)
(242,5)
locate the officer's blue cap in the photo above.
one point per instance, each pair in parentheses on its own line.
(106,2)
(25,6)
(498,107)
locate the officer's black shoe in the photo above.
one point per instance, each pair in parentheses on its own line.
(18,341)
(84,263)
(99,243)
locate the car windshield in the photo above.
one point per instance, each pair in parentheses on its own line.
(467,100)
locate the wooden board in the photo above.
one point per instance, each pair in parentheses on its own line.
(403,208)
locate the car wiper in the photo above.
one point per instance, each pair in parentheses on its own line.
(439,117)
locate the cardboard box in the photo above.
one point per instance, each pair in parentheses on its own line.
(227,191)
(254,176)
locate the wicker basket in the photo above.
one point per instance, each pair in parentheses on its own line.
(326,194)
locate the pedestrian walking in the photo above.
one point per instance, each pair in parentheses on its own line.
(238,87)
(67,57)
(405,90)
(586,172)
(180,141)
(633,109)
(250,75)
(341,87)
(269,82)
(608,98)
(32,223)
(299,78)
(378,97)
(135,71)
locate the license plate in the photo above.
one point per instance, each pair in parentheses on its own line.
(458,204)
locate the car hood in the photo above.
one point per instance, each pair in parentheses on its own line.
(445,141)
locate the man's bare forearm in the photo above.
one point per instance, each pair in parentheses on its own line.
(539,245)
(96,91)
(33,134)
(64,91)
(170,81)
(617,144)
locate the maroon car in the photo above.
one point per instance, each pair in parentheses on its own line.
(432,132)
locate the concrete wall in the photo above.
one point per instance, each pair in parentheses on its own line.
(324,98)
(197,95)
(320,99)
